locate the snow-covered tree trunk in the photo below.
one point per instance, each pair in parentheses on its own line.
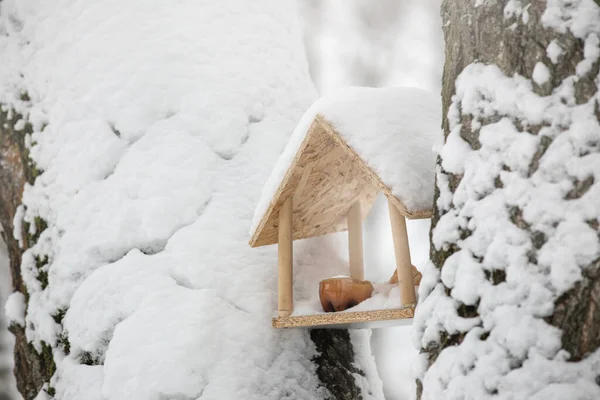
(509,305)
(154,127)
(32,368)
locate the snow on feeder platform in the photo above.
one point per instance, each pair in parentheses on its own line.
(346,149)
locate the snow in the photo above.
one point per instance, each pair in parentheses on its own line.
(513,8)
(15,308)
(580,17)
(142,335)
(541,73)
(554,51)
(155,129)
(591,52)
(111,295)
(393,130)
(370,382)
(18,225)
(508,349)
(454,151)
(88,384)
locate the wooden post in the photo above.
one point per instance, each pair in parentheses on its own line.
(402,252)
(355,242)
(285,298)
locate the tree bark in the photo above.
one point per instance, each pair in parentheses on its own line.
(515,40)
(335,363)
(32,369)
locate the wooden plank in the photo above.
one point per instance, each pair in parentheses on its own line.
(347,319)
(402,253)
(355,242)
(285,297)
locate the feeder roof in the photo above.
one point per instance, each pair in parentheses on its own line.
(347,148)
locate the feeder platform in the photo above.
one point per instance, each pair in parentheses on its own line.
(349,319)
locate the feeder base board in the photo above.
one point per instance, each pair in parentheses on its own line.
(349,320)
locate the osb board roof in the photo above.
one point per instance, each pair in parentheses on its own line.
(326,178)
(347,319)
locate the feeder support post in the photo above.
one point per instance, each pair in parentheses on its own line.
(402,252)
(355,242)
(285,300)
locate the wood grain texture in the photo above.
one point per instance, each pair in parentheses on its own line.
(325,179)
(346,319)
(285,293)
(402,254)
(355,243)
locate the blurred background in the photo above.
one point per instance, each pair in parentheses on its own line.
(373,43)
(348,43)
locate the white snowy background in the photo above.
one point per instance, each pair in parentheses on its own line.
(389,43)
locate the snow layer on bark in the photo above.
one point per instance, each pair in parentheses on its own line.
(509,350)
(156,125)
(392,129)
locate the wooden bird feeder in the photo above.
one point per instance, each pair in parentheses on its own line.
(329,188)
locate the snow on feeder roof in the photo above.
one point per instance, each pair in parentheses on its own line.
(347,148)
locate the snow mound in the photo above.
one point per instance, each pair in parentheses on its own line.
(394,130)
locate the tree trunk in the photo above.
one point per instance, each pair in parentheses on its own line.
(335,359)
(31,368)
(512,293)
(334,364)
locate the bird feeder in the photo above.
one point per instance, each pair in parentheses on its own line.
(329,188)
